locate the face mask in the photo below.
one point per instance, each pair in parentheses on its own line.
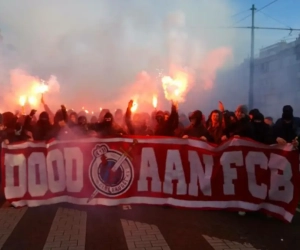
(287,116)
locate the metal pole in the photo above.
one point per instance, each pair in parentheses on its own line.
(251,73)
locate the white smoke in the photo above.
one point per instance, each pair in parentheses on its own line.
(96,48)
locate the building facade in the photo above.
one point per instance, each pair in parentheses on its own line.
(276,80)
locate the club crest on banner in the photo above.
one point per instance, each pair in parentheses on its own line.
(111,172)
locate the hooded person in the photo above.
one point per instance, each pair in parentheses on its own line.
(253,112)
(167,127)
(102,114)
(42,127)
(81,128)
(12,131)
(60,129)
(108,127)
(287,128)
(262,131)
(242,127)
(288,115)
(196,128)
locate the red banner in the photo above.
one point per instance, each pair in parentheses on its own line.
(239,174)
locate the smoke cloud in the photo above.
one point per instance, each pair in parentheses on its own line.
(101,53)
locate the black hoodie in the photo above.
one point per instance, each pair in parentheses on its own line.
(196,129)
(108,127)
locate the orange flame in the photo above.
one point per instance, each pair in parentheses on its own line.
(175,88)
(154,101)
(22,100)
(32,100)
(41,88)
(134,107)
(86,111)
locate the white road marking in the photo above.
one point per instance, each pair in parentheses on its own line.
(143,236)
(220,244)
(68,230)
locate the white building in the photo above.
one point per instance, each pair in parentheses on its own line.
(276,80)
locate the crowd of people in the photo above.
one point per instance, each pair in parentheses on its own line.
(219,127)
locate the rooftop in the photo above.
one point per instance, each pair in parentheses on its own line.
(277,47)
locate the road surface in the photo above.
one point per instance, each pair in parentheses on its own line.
(141,227)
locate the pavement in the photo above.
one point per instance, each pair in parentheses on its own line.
(141,227)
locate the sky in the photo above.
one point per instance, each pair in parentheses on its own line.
(102,53)
(280,14)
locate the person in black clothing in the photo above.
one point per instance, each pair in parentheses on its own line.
(167,127)
(102,114)
(287,129)
(13,131)
(42,128)
(253,113)
(83,128)
(196,128)
(60,128)
(262,131)
(242,127)
(108,127)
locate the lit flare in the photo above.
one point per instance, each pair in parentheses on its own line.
(134,107)
(175,88)
(22,100)
(42,88)
(154,101)
(32,100)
